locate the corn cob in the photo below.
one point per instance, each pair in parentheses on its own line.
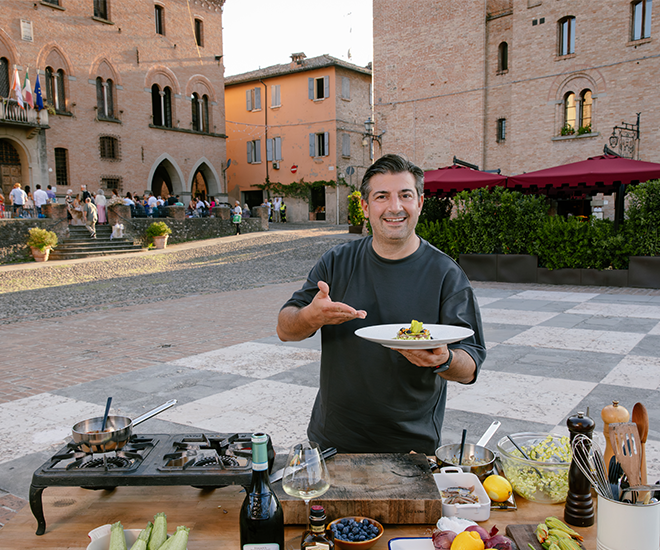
(541,532)
(554,523)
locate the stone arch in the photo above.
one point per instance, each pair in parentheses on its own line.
(213,181)
(162,76)
(102,67)
(576,82)
(52,55)
(8,176)
(7,49)
(173,172)
(202,85)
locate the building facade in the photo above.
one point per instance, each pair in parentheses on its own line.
(518,85)
(302,120)
(134,95)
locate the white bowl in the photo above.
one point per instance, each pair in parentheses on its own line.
(101,537)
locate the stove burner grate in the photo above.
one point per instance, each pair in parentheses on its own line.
(210,461)
(108,463)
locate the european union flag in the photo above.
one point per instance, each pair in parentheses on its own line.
(38,100)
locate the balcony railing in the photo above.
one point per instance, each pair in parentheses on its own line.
(11,112)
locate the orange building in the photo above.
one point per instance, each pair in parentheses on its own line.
(134,90)
(299,121)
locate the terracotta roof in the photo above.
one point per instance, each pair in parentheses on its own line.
(289,68)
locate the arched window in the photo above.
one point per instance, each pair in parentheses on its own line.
(161,106)
(503,57)
(159,19)
(566,36)
(60,95)
(55,89)
(199,32)
(104,98)
(585,109)
(205,113)
(569,111)
(200,112)
(167,107)
(4,77)
(196,107)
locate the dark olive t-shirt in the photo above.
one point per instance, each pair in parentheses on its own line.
(372,399)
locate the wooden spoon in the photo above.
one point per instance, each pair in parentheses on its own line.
(640,416)
(626,445)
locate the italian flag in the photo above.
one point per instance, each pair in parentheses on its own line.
(16,89)
(27,91)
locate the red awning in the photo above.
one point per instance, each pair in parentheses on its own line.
(602,174)
(450,180)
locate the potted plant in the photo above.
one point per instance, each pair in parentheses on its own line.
(159,231)
(355,213)
(567,130)
(41,241)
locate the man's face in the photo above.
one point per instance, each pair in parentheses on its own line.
(393,207)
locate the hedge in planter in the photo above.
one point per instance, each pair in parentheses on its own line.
(642,225)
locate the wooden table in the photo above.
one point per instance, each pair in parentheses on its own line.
(72,512)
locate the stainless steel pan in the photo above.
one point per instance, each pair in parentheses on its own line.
(117,432)
(480,459)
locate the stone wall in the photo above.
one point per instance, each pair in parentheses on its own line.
(14,234)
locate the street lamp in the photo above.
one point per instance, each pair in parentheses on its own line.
(369,137)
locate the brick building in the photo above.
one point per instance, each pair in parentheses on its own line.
(135,95)
(518,85)
(300,120)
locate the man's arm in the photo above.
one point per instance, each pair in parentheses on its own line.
(295,324)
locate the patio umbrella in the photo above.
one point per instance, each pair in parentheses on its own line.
(602,174)
(452,179)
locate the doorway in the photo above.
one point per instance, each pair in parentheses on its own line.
(10,168)
(199,187)
(317,204)
(161,184)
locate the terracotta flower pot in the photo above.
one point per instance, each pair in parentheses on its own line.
(160,241)
(40,256)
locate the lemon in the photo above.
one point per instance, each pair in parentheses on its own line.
(498,488)
(467,540)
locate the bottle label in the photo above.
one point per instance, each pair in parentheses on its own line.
(259,505)
(318,546)
(262,546)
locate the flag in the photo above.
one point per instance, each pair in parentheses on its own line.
(16,89)
(27,91)
(38,100)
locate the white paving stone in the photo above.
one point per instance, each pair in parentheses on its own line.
(635,371)
(485,301)
(555,296)
(519,396)
(516,317)
(281,410)
(33,423)
(617,310)
(251,359)
(655,330)
(578,339)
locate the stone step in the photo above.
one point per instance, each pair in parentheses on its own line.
(54,255)
(80,244)
(93,248)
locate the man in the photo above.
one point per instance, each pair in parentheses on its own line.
(18,199)
(371,398)
(40,198)
(90,216)
(52,197)
(277,201)
(84,194)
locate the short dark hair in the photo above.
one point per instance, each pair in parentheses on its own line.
(38,186)
(391,164)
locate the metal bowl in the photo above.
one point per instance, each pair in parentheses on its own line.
(476,459)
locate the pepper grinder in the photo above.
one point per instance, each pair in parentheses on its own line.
(612,414)
(579,508)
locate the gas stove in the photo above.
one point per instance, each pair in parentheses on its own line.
(202,460)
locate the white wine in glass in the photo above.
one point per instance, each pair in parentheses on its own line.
(305,474)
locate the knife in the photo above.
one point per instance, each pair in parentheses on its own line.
(279,474)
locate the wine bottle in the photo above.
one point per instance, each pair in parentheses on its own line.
(261,518)
(317,538)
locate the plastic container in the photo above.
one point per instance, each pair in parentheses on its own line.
(455,477)
(544,481)
(100,537)
(622,526)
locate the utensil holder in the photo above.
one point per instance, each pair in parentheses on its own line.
(622,526)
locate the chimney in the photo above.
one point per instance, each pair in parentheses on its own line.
(298,58)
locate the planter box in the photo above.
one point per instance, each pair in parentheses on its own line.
(355,229)
(644,272)
(558,276)
(607,277)
(517,268)
(479,267)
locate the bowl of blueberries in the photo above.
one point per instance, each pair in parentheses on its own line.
(356,532)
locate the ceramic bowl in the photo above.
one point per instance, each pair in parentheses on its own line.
(361,545)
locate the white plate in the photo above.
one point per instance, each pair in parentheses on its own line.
(411,543)
(385,335)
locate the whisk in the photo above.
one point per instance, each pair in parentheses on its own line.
(589,458)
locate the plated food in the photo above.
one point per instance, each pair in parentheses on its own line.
(415,331)
(386,335)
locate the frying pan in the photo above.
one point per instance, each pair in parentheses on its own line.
(448,455)
(117,432)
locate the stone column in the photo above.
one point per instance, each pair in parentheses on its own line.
(177,212)
(261,212)
(54,211)
(222,212)
(118,213)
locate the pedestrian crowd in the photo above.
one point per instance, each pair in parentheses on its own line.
(25,204)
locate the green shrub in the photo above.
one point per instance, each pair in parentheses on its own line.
(435,209)
(443,235)
(355,213)
(642,225)
(158,229)
(41,239)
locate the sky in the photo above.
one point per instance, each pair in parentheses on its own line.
(261,33)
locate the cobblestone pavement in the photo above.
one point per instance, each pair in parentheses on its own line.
(155,325)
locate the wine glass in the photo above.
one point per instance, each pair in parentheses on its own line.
(305,473)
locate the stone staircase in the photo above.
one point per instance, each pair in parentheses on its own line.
(79,244)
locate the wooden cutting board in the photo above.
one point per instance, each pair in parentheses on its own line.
(524,534)
(390,488)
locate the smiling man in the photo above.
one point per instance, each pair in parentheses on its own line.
(371,398)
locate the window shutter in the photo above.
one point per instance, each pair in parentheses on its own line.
(257,98)
(345,87)
(310,86)
(248,100)
(312,145)
(326,86)
(269,149)
(326,144)
(257,150)
(278,148)
(275,95)
(250,147)
(346,145)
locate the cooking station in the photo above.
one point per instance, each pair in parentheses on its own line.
(204,461)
